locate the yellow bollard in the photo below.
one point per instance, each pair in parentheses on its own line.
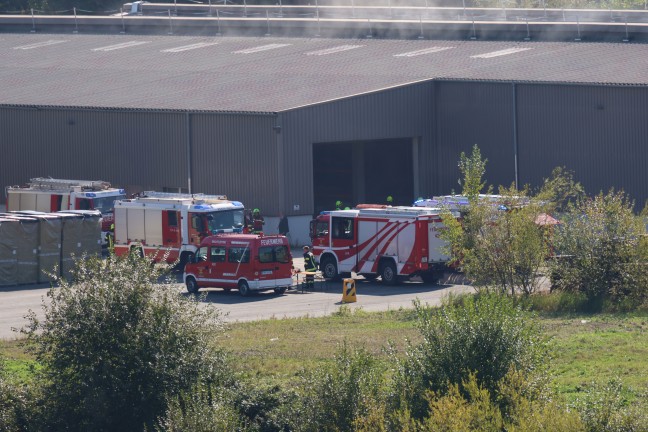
(348,291)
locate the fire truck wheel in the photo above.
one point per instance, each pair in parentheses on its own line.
(192,286)
(244,288)
(329,269)
(388,273)
(280,291)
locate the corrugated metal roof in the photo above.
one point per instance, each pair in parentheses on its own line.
(239,74)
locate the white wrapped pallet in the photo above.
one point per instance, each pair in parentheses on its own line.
(49,244)
(71,250)
(26,248)
(9,238)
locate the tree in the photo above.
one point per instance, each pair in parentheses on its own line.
(498,244)
(115,344)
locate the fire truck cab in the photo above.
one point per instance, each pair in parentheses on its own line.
(390,242)
(248,262)
(170,227)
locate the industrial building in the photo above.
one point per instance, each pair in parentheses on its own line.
(291,125)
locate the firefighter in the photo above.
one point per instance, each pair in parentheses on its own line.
(338,205)
(309,267)
(257,221)
(248,225)
(110,238)
(390,200)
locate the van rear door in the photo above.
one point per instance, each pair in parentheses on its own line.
(275,261)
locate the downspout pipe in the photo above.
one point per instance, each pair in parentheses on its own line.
(189,173)
(515,136)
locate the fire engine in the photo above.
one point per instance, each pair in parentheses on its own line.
(170,227)
(51,195)
(390,242)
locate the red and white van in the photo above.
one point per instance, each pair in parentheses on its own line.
(248,262)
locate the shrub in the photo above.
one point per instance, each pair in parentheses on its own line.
(604,408)
(200,411)
(603,242)
(483,334)
(343,396)
(115,345)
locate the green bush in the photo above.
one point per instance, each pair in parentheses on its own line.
(200,411)
(604,408)
(555,302)
(344,396)
(601,241)
(483,334)
(115,345)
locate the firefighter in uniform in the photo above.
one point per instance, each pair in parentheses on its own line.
(390,200)
(257,221)
(338,205)
(309,266)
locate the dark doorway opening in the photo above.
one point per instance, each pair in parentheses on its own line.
(363,172)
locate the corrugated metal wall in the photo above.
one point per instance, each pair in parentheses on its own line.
(237,155)
(125,148)
(396,113)
(599,132)
(470,113)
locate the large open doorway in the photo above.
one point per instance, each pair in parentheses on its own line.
(364,172)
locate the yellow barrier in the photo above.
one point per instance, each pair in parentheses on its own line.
(348,291)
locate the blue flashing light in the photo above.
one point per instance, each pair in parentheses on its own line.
(201,207)
(325,212)
(122,191)
(237,204)
(238,230)
(91,194)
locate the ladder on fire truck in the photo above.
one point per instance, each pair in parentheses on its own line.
(172,197)
(48,183)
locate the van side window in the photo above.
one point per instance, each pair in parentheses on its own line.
(268,254)
(238,255)
(281,254)
(173,218)
(321,229)
(217,254)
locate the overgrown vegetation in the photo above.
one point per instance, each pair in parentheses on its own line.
(117,349)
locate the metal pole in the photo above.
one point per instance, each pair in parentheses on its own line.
(319,29)
(210,12)
(421,26)
(76,24)
(33,30)
(121,11)
(317,10)
(370,35)
(281,8)
(218,22)
(170,23)
(528,36)
(578,28)
(267,23)
(244,8)
(627,38)
(474,35)
(175,5)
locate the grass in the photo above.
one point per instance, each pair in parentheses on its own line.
(588,348)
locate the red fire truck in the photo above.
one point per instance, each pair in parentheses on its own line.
(170,227)
(51,195)
(390,242)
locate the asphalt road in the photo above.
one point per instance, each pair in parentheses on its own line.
(15,302)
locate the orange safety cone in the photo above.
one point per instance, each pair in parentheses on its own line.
(348,291)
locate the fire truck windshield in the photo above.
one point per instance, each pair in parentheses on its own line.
(225,220)
(106,204)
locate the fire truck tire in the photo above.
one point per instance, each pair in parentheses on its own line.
(192,285)
(280,291)
(388,273)
(244,288)
(329,269)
